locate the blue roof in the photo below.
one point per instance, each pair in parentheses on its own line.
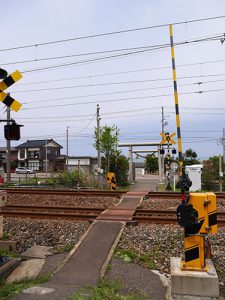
(36,143)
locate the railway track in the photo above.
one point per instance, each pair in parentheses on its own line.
(77,192)
(158,216)
(64,192)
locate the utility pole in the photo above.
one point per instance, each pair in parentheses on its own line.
(8,149)
(46,157)
(164,123)
(98,143)
(163,120)
(223,143)
(220,173)
(67,146)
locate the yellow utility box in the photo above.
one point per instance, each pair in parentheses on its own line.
(198,215)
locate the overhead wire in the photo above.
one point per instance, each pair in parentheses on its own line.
(157,47)
(123,82)
(112,33)
(125,99)
(127,72)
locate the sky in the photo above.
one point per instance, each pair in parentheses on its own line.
(75,54)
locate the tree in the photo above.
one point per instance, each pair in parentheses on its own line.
(120,166)
(190,157)
(210,172)
(151,163)
(108,143)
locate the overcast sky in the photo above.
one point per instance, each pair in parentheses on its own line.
(65,75)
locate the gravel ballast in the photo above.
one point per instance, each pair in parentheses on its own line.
(62,200)
(161,242)
(28,232)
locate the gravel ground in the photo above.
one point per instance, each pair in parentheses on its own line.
(163,203)
(56,200)
(28,232)
(161,242)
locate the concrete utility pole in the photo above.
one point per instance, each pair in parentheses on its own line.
(223,143)
(98,143)
(220,173)
(8,150)
(67,146)
(46,157)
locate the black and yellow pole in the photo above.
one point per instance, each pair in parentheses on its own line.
(180,156)
(197,213)
(168,160)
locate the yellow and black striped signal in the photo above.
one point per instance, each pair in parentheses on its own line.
(111,179)
(5,98)
(203,206)
(167,138)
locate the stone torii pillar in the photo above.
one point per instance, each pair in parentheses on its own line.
(131,177)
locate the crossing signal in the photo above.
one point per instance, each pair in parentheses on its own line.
(111,179)
(12,132)
(4,84)
(167,138)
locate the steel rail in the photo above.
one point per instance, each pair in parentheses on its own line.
(86,213)
(64,192)
(95,193)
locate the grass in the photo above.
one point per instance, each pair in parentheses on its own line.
(4,252)
(129,255)
(105,291)
(9,290)
(62,249)
(5,236)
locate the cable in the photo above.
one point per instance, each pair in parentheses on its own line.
(148,47)
(124,99)
(126,72)
(124,82)
(163,46)
(112,33)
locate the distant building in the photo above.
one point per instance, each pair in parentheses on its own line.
(41,155)
(13,158)
(87,164)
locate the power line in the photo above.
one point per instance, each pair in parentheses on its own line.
(112,33)
(148,47)
(127,72)
(126,99)
(125,82)
(157,47)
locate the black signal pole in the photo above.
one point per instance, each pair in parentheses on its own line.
(8,149)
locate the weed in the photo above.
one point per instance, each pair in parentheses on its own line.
(105,290)
(63,249)
(126,254)
(5,236)
(129,255)
(8,290)
(4,252)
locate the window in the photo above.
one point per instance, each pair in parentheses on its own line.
(22,153)
(33,154)
(33,165)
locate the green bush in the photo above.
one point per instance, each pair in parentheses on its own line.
(69,179)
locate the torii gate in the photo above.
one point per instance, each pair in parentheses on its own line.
(146,144)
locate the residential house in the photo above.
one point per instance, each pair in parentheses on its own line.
(13,158)
(41,155)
